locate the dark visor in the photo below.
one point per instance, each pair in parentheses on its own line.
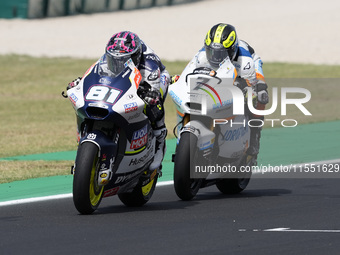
(215,56)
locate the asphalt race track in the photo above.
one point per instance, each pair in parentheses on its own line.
(272,216)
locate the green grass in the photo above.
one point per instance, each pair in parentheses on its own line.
(20,170)
(35,118)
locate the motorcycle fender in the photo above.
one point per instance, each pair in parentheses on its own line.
(107,151)
(205,137)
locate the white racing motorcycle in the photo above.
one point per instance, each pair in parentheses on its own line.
(212,139)
(116,141)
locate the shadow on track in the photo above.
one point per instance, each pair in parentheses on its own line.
(203,195)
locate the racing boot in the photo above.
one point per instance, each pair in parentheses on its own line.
(160,134)
(254,146)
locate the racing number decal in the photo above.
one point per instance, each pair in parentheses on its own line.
(102,93)
(97,93)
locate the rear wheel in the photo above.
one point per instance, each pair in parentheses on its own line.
(235,185)
(232,186)
(87,194)
(186,153)
(141,194)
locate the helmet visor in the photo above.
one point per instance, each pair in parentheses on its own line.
(216,55)
(116,63)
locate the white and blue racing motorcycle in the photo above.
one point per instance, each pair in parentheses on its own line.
(212,140)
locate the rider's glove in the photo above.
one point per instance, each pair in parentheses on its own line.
(263,97)
(174,79)
(73,83)
(261,92)
(152,97)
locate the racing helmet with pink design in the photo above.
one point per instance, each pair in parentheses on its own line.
(121,47)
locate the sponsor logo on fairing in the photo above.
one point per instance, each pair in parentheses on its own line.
(224,103)
(206,145)
(104,81)
(111,192)
(128,62)
(205,70)
(126,177)
(73,98)
(130,107)
(139,138)
(141,160)
(233,135)
(176,98)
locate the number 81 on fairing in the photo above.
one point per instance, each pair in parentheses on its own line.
(102,93)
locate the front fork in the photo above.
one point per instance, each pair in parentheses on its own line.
(205,138)
(202,128)
(107,150)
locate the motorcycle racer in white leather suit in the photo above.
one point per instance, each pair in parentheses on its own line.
(220,42)
(153,87)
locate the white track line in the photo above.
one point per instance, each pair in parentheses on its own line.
(53,197)
(302,230)
(35,199)
(292,230)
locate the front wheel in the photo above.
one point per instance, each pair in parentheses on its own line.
(186,154)
(87,194)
